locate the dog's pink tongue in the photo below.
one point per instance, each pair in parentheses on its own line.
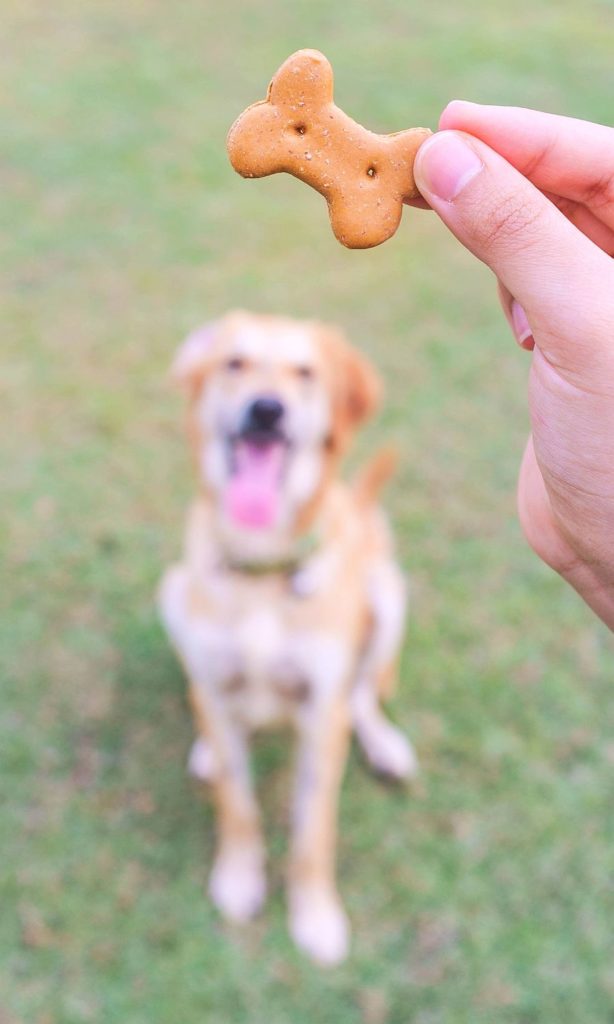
(252,495)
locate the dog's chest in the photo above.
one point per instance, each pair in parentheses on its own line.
(267,664)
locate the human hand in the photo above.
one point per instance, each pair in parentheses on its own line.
(532,195)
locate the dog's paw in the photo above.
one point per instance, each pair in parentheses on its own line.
(202,762)
(319,927)
(237,885)
(389,752)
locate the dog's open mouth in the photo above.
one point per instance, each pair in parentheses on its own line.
(253,493)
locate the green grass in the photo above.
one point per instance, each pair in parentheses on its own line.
(486,894)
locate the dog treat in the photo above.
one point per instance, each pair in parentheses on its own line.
(364,177)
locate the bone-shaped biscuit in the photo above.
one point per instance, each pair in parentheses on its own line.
(364,177)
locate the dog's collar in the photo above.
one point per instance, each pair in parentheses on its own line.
(288,566)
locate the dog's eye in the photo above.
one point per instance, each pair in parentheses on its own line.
(305,372)
(234,364)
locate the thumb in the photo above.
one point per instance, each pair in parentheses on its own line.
(562,280)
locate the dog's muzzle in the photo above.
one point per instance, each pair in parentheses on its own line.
(263,418)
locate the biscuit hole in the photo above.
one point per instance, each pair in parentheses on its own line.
(371,172)
(300,129)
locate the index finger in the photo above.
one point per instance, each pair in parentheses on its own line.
(562,155)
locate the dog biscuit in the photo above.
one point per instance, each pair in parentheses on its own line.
(364,177)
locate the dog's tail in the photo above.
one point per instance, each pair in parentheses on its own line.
(372,477)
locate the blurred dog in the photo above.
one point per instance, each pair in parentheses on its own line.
(288,605)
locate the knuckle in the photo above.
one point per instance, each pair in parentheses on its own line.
(512,225)
(599,194)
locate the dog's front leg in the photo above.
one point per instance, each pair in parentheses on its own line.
(237,884)
(317,920)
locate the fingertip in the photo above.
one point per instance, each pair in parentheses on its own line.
(419,203)
(516,318)
(453,115)
(521,327)
(445,164)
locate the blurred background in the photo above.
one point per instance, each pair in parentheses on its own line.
(484,894)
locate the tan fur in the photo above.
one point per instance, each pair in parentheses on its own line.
(315,649)
(374,476)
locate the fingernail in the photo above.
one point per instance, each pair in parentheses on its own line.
(445,165)
(522,330)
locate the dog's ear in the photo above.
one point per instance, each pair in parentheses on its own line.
(363,388)
(193,357)
(357,388)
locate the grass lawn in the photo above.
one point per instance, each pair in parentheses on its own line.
(483,895)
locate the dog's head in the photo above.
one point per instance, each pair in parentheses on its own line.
(274,402)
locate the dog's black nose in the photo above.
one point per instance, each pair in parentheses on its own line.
(264,413)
